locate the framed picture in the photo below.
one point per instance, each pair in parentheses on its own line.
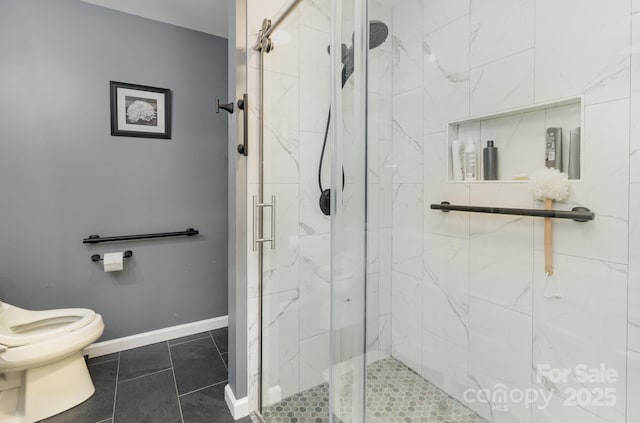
(140,111)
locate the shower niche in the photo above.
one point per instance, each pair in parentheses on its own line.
(520,136)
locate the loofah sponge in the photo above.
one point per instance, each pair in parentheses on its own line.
(549,183)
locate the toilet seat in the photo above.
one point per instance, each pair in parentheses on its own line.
(55,347)
(43,371)
(20,327)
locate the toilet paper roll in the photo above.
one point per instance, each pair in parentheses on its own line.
(113,262)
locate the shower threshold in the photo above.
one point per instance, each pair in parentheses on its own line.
(395,394)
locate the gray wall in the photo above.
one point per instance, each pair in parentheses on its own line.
(63,177)
(237,203)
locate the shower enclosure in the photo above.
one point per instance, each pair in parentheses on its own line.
(369,305)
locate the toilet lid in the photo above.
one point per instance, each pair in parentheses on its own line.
(20,327)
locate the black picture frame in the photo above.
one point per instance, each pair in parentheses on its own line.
(140,111)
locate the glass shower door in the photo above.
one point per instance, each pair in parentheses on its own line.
(349,213)
(295,269)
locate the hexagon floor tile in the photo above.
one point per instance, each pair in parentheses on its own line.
(395,394)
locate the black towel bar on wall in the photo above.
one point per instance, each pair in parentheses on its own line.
(96,239)
(579,214)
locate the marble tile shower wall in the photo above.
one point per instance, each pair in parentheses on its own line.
(467,302)
(296,274)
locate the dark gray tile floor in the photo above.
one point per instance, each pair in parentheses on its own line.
(179,381)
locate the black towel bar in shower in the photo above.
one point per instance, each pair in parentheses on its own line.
(126,254)
(579,214)
(96,239)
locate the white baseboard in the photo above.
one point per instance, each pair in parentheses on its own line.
(239,408)
(146,338)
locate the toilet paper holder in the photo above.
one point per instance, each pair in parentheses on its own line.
(126,254)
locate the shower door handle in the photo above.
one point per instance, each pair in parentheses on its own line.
(256,222)
(244,106)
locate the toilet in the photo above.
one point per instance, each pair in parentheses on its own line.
(42,367)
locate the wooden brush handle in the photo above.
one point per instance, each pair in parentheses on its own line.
(548,251)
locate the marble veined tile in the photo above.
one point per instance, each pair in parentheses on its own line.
(312,220)
(439,13)
(504,84)
(406,330)
(280,265)
(314,361)
(384,328)
(582,48)
(373,312)
(584,325)
(501,248)
(558,412)
(315,74)
(407,137)
(633,407)
(500,28)
(437,190)
(407,63)
(634,256)
(281,128)
(316,14)
(407,19)
(446,75)
(280,344)
(445,364)
(315,277)
(633,387)
(445,298)
(634,150)
(499,354)
(407,229)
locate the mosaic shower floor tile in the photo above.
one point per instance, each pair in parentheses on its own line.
(395,394)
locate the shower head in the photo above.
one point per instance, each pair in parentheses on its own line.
(378,33)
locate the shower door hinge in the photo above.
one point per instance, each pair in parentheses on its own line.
(264,43)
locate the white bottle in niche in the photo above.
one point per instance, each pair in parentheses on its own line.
(457,160)
(470,161)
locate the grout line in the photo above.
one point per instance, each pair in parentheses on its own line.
(509,56)
(629,220)
(145,375)
(606,101)
(175,383)
(115,392)
(470,93)
(583,257)
(103,362)
(218,350)
(431,32)
(204,387)
(535,10)
(104,421)
(187,341)
(502,306)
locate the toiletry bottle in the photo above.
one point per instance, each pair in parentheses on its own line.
(574,154)
(490,162)
(553,148)
(470,161)
(457,160)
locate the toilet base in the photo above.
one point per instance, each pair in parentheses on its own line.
(45,391)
